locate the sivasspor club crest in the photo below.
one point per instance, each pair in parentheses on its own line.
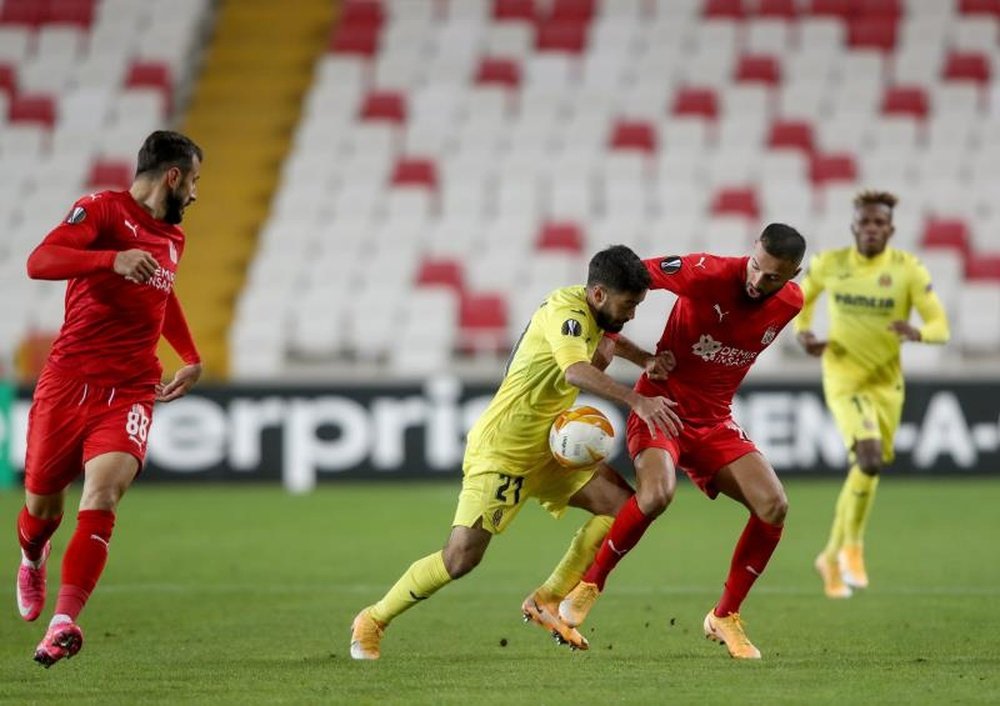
(769,335)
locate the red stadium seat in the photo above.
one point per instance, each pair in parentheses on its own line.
(844,9)
(787,9)
(8,79)
(872,33)
(505,72)
(30,13)
(967,66)
(826,168)
(983,267)
(75,12)
(152,74)
(633,135)
(724,9)
(514,10)
(482,322)
(561,235)
(905,100)
(791,134)
(950,233)
(736,201)
(441,273)
(758,68)
(360,40)
(33,109)
(384,105)
(561,36)
(701,102)
(411,171)
(888,9)
(979,7)
(575,11)
(110,174)
(362,13)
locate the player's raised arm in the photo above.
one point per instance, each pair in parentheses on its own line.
(65,252)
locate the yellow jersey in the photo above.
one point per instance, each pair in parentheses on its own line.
(864,295)
(513,431)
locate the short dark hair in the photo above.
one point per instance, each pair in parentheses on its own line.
(164,149)
(783,242)
(619,269)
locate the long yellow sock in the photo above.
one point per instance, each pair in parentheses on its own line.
(861,491)
(577,558)
(836,540)
(421,580)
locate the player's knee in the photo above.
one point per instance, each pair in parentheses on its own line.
(654,499)
(460,560)
(101,498)
(775,509)
(870,467)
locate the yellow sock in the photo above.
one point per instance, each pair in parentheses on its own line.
(836,540)
(861,492)
(577,558)
(421,580)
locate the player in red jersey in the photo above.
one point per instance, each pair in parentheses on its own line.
(729,309)
(93,403)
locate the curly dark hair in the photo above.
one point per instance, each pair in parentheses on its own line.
(872,197)
(619,269)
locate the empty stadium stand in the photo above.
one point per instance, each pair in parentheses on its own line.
(456,160)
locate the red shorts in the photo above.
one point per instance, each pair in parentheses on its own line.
(71,422)
(700,451)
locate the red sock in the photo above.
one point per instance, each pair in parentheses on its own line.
(625,533)
(33,532)
(86,555)
(756,545)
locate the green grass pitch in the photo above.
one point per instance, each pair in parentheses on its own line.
(245,595)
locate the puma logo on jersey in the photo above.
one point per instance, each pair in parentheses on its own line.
(722,314)
(700,263)
(132,227)
(173,252)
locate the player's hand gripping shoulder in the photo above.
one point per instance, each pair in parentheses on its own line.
(183,381)
(904,330)
(136,265)
(810,344)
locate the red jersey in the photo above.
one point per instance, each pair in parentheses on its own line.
(112,326)
(715,331)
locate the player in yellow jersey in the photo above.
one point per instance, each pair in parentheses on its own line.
(507,458)
(871,290)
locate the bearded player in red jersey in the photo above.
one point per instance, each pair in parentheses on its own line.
(729,309)
(93,403)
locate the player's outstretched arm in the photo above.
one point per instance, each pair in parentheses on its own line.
(656,365)
(657,412)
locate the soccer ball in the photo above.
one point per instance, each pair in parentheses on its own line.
(581,437)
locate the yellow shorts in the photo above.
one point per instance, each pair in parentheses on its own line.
(497,494)
(869,413)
